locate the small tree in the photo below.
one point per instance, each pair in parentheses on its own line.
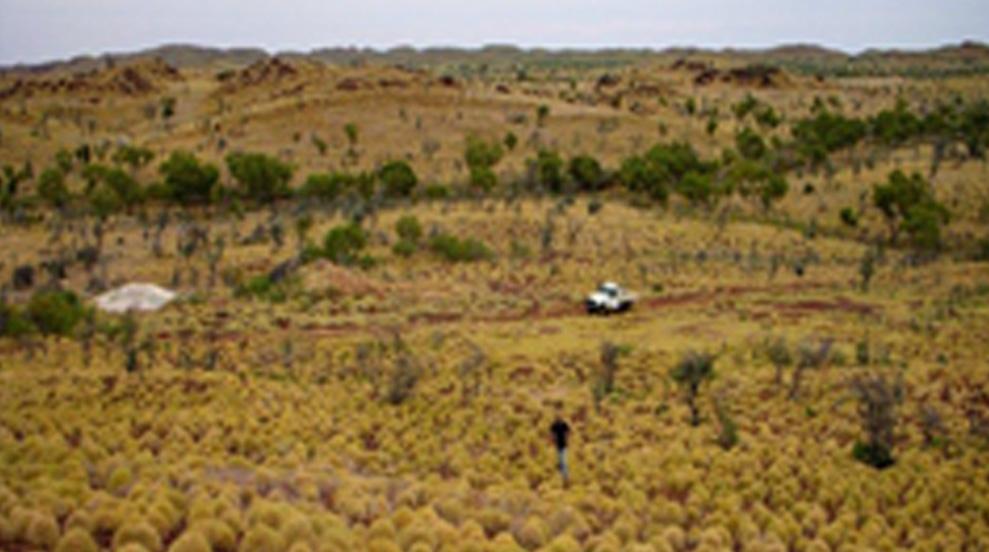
(867,267)
(409,228)
(470,372)
(727,428)
(542,113)
(907,204)
(188,180)
(134,156)
(690,373)
(350,129)
(55,312)
(52,188)
(398,178)
(325,186)
(923,224)
(481,156)
(343,243)
(779,354)
(261,177)
(546,170)
(405,374)
(877,400)
(604,381)
(586,172)
(810,355)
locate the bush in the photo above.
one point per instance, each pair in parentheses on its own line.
(586,173)
(696,188)
(877,402)
(404,248)
(261,177)
(728,430)
(750,144)
(189,182)
(343,243)
(923,224)
(483,179)
(692,371)
(546,171)
(55,312)
(325,186)
(110,188)
(135,156)
(261,287)
(908,204)
(436,191)
(408,228)
(404,376)
(453,249)
(13,323)
(849,217)
(52,189)
(638,175)
(480,153)
(398,178)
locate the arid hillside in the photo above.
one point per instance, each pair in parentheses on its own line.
(382,264)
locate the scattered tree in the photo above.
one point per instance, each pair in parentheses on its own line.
(878,399)
(690,373)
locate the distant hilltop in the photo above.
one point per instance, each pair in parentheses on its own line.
(962,58)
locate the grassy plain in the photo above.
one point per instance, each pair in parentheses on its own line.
(265,425)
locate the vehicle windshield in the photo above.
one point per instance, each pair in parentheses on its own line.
(609,289)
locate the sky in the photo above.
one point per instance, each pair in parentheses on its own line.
(33,31)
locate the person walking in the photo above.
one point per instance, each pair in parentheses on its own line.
(561,431)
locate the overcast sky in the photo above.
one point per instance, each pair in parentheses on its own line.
(41,30)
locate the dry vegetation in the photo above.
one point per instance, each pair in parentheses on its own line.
(378,371)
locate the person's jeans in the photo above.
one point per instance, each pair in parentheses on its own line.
(562,456)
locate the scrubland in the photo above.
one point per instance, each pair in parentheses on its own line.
(377,368)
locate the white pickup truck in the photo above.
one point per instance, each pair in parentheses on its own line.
(609,298)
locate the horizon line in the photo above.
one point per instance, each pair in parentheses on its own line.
(584,48)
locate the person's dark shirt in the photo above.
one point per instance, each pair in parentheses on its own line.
(560,431)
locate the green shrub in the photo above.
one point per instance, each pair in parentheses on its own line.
(876,456)
(404,248)
(547,170)
(188,180)
(110,188)
(849,217)
(408,228)
(13,322)
(436,191)
(261,287)
(398,178)
(692,371)
(696,188)
(923,224)
(908,204)
(325,186)
(586,172)
(343,243)
(750,144)
(483,179)
(479,153)
(135,156)
(52,189)
(261,177)
(454,249)
(55,312)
